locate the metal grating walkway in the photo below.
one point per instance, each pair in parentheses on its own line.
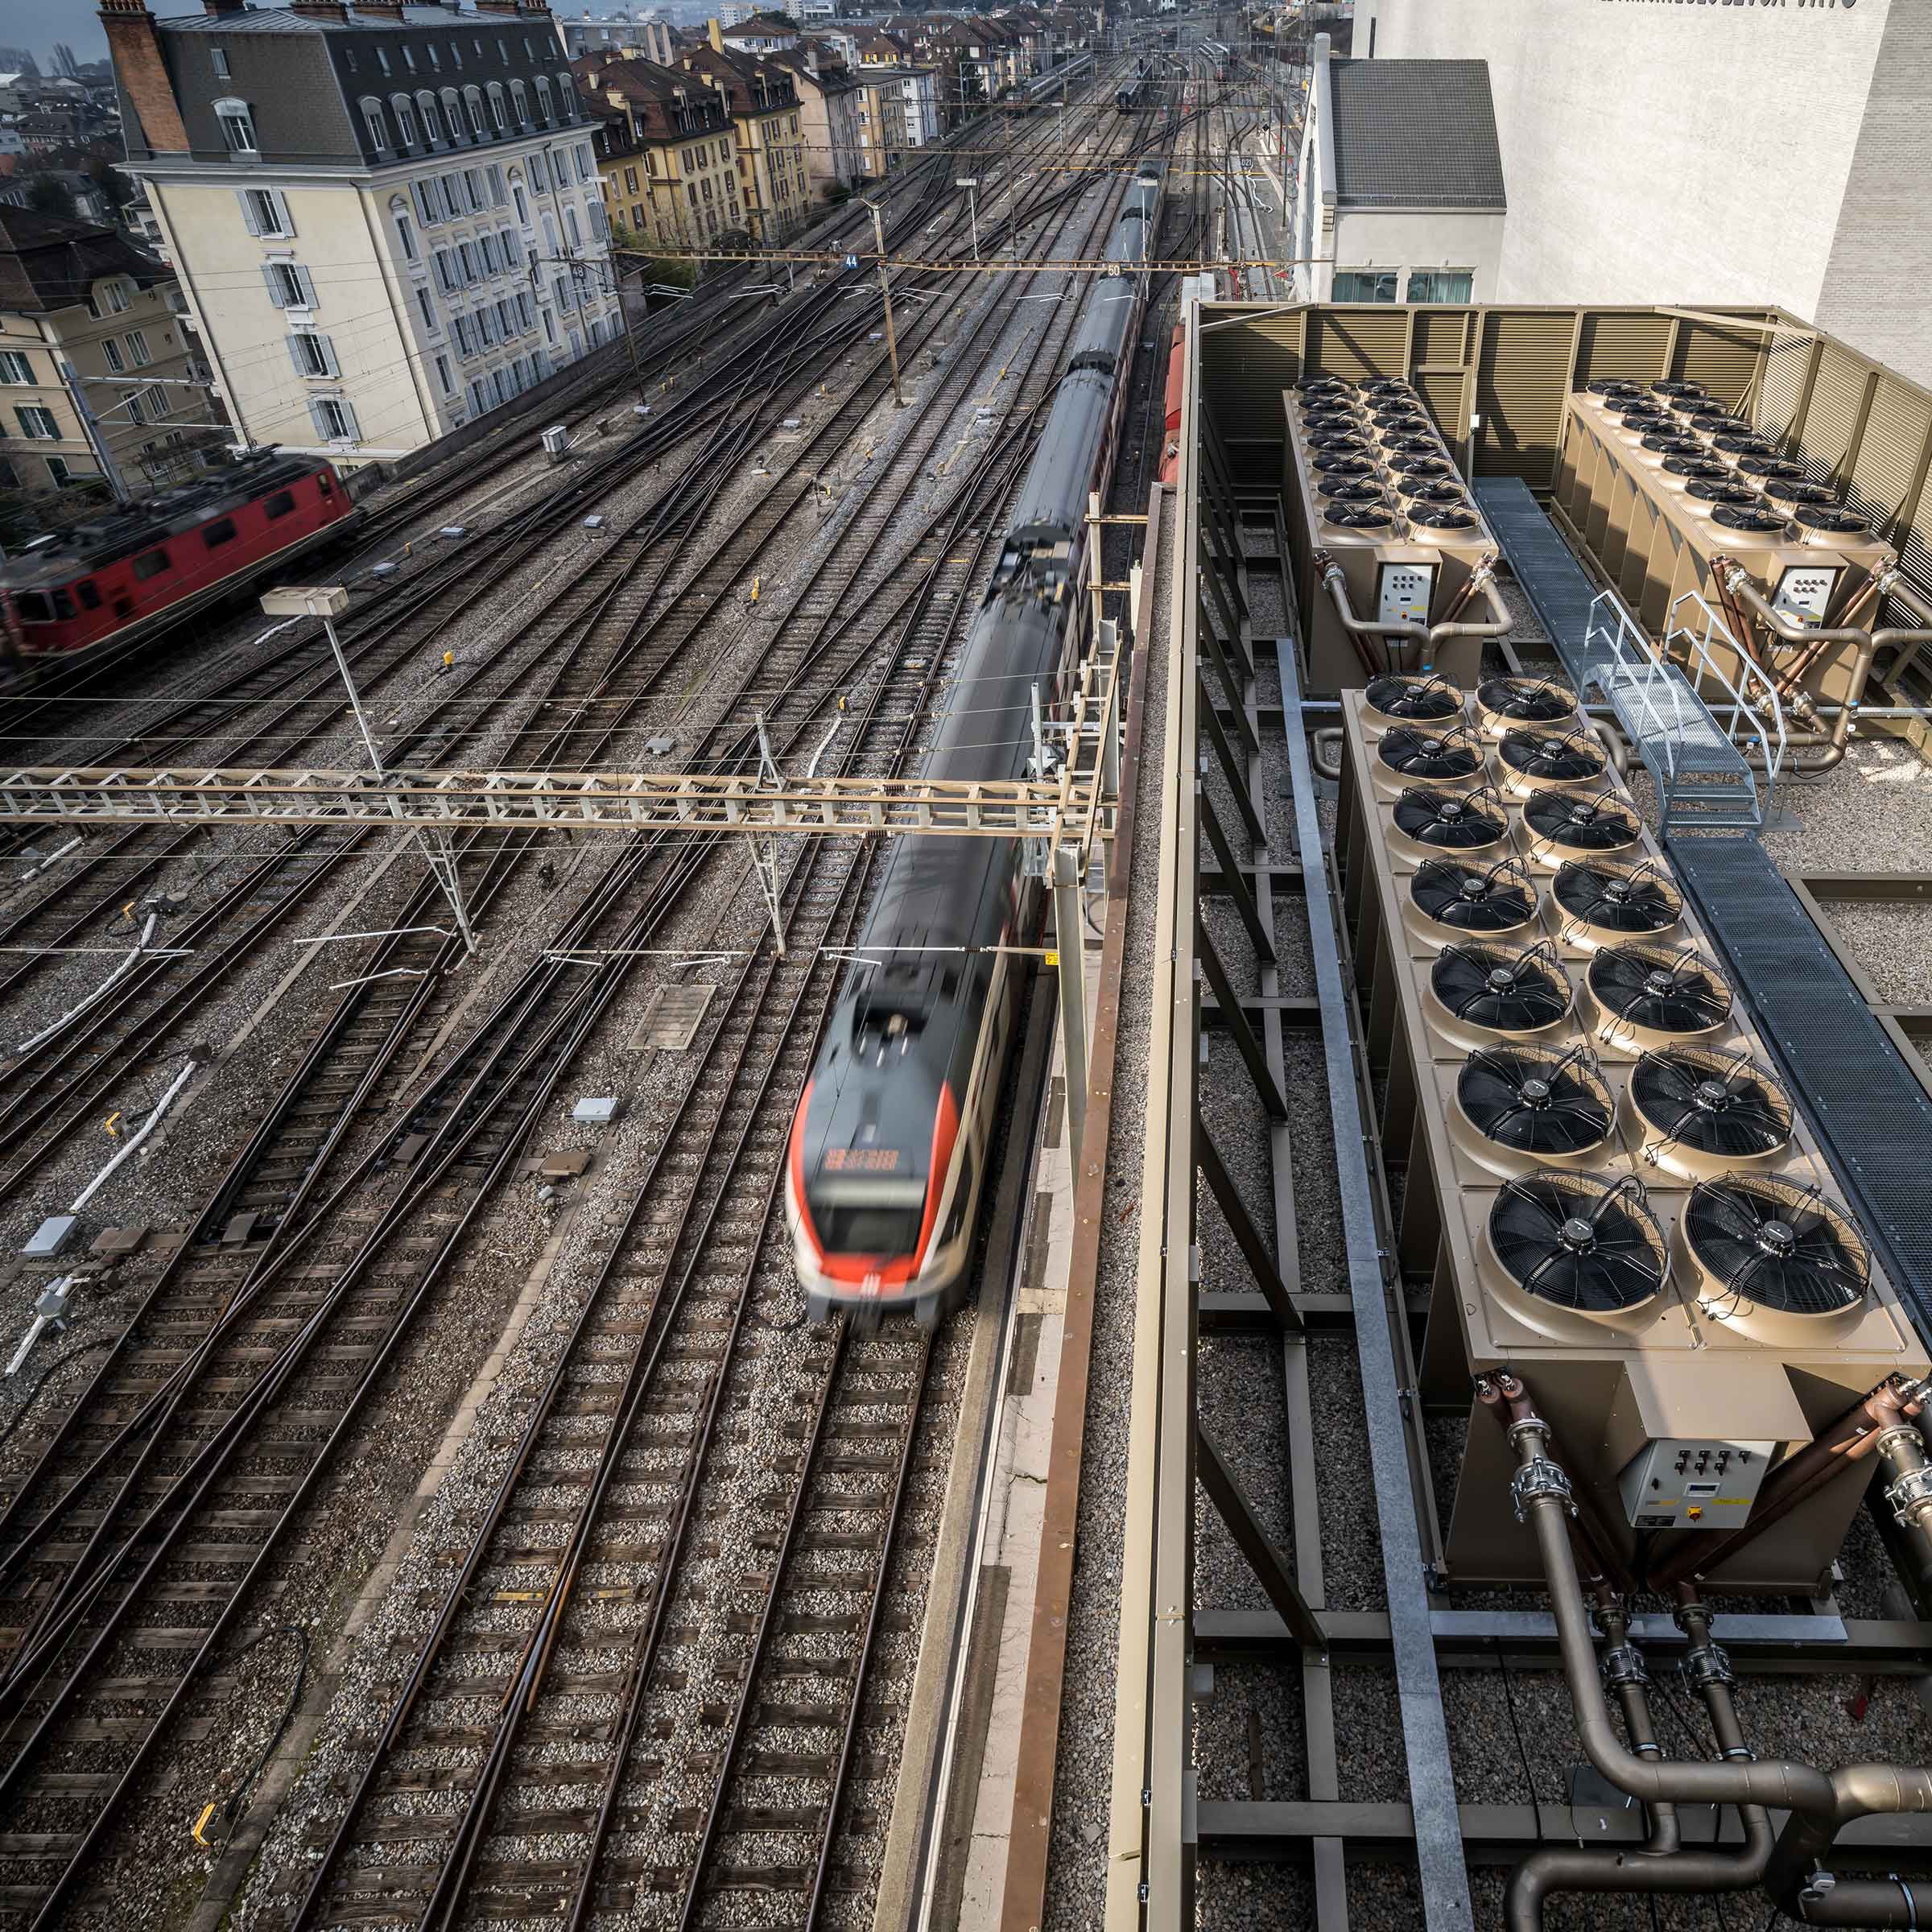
(1873,1117)
(1699,772)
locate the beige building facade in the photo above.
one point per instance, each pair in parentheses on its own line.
(370,263)
(78,297)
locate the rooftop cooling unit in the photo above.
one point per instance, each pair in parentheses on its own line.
(1407,568)
(1654,522)
(1773,1259)
(1605,902)
(1429,823)
(1517,1108)
(1645,997)
(1504,704)
(1353,490)
(1537,761)
(1605,1187)
(1478,995)
(1564,826)
(1699,1111)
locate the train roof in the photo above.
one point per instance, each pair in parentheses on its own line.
(66,555)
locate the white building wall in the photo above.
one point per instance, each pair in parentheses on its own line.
(1701,151)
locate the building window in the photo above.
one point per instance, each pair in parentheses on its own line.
(407,235)
(486,245)
(1441,284)
(288,286)
(408,59)
(237,127)
(630,180)
(15,367)
(544,105)
(473,187)
(452,113)
(432,123)
(428,308)
(446,272)
(434,59)
(583,163)
(566,98)
(111,349)
(443,376)
(335,418)
(473,102)
(312,355)
(499,196)
(513,250)
(114,299)
(61,474)
(571,228)
(138,348)
(516,190)
(519,103)
(373,120)
(220,57)
(382,59)
(405,119)
(1364,285)
(467,256)
(452,200)
(265,211)
(37,424)
(496,108)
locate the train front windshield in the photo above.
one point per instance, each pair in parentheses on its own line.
(869,1217)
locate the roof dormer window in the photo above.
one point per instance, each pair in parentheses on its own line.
(237,127)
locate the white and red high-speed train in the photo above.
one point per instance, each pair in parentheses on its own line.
(889,1151)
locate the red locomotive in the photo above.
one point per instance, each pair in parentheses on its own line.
(127,574)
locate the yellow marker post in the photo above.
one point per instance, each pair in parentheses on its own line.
(111,1125)
(755,583)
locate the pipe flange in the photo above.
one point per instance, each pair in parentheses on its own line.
(1538,1478)
(1910,1493)
(1708,1664)
(1624,1665)
(1530,1425)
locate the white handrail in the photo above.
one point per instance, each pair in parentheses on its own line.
(1742,709)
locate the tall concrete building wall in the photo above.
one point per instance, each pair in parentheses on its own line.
(1776,151)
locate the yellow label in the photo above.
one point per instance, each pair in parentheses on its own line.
(1053,958)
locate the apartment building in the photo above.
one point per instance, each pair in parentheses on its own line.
(882,135)
(666,152)
(769,127)
(830,103)
(76,293)
(648,35)
(386,218)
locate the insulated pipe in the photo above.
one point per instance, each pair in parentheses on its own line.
(1359,629)
(1482,580)
(1328,752)
(1849,1439)
(1910,1493)
(1819,1804)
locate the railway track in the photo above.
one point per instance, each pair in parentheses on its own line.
(472,1122)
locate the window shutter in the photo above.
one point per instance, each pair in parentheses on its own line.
(248,211)
(274,285)
(319,416)
(425,211)
(328,354)
(309,287)
(282,214)
(497,193)
(294,354)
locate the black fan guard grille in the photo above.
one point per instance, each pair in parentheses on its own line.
(1535,1102)
(1570,759)
(1784,1247)
(1450,821)
(1659,989)
(1474,898)
(1579,1242)
(1599,824)
(1420,754)
(1526,700)
(1717,1104)
(1635,899)
(1399,696)
(1498,990)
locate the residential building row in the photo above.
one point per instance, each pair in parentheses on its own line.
(95,360)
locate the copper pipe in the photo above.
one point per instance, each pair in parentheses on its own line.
(1594,1541)
(1849,1439)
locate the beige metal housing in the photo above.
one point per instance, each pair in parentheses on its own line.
(1663,1367)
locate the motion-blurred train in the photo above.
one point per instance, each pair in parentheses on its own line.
(132,572)
(889,1153)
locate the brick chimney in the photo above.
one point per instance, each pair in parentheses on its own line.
(134,45)
(716,33)
(497,6)
(383,9)
(320,10)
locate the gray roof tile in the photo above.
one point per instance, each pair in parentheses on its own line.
(1415,133)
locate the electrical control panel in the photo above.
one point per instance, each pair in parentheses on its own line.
(1685,1483)
(1804,592)
(1405,592)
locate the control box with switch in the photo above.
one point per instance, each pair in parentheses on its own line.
(1804,592)
(1680,1484)
(1404,593)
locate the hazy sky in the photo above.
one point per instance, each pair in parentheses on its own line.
(38,23)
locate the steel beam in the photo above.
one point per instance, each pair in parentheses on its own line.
(1231,1503)
(1235,1021)
(1247,1237)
